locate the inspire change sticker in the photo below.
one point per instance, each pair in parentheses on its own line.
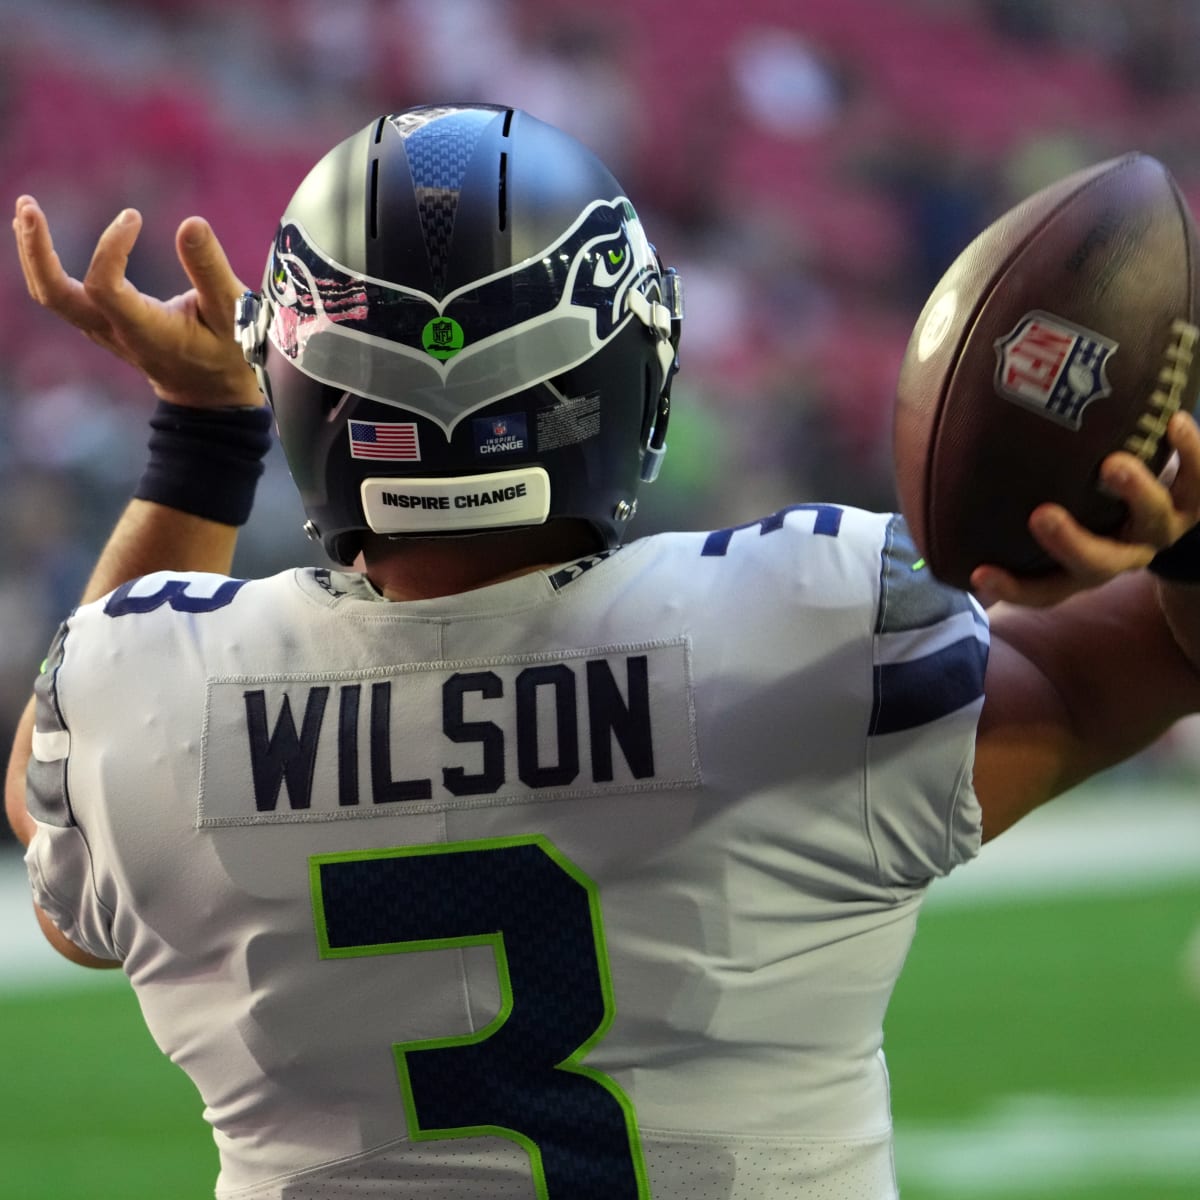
(501,435)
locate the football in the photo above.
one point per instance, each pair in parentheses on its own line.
(1066,330)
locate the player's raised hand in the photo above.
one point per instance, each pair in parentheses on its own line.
(185,346)
(1161,510)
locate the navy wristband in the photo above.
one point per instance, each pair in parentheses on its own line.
(1180,561)
(206,461)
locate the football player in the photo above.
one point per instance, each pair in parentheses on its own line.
(503,857)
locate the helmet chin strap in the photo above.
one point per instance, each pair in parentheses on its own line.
(250,319)
(663,320)
(658,319)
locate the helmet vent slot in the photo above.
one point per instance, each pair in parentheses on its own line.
(379,129)
(508,116)
(503,197)
(374,198)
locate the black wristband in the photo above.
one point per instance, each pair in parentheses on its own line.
(206,461)
(1180,561)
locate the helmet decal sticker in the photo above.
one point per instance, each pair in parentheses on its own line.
(519,496)
(443,337)
(507,434)
(447,359)
(572,420)
(395,440)
(439,148)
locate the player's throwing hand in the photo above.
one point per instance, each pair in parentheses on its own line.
(1161,511)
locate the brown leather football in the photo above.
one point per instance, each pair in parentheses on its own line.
(1064,331)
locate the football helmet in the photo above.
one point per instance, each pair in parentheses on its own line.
(462,328)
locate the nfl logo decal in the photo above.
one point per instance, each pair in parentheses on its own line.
(1053,367)
(507,434)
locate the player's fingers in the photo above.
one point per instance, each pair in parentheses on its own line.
(1153,520)
(992,585)
(1085,560)
(1184,435)
(105,281)
(206,264)
(24,217)
(1089,558)
(45,278)
(1160,512)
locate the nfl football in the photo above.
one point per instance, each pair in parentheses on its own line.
(1064,331)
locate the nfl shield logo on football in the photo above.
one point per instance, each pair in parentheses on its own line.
(1054,367)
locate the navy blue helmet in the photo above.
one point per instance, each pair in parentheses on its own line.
(462,327)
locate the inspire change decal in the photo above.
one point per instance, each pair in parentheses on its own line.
(501,435)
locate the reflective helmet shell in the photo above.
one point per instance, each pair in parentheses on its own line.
(462,328)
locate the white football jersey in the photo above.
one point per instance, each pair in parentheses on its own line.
(589,885)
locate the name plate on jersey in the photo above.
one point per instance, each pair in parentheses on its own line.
(429,737)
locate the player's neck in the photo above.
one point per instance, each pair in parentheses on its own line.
(422,568)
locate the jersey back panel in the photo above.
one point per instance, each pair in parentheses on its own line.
(591,883)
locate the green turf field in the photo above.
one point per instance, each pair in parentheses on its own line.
(1040,1049)
(90,1108)
(1050,1050)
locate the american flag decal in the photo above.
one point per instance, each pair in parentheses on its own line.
(394,440)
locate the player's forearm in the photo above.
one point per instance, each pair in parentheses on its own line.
(68,949)
(1180,604)
(152,537)
(22,823)
(148,537)
(24,826)
(1077,688)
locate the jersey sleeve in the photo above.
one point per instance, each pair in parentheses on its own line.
(58,859)
(929,661)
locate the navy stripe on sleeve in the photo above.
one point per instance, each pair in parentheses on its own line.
(931,642)
(908,694)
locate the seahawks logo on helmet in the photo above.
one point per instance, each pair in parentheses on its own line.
(447,359)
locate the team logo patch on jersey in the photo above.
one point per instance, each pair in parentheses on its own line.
(501,435)
(393,440)
(1053,367)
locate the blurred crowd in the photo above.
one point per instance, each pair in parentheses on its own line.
(810,166)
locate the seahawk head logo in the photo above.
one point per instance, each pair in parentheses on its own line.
(446,359)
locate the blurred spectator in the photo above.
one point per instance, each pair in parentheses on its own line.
(783,83)
(1162,43)
(449,51)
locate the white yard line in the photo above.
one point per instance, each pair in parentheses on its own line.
(1108,837)
(1041,1146)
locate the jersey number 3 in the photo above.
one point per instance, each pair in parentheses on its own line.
(521,1076)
